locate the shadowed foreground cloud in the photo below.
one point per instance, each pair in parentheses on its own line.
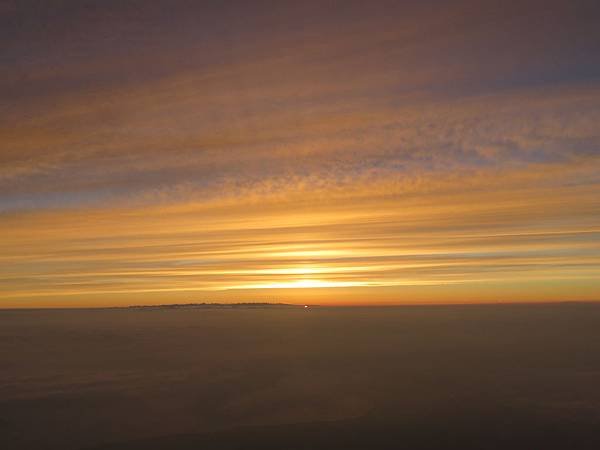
(442,151)
(419,377)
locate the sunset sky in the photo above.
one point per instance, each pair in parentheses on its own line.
(350,152)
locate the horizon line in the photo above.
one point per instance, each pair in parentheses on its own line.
(301,305)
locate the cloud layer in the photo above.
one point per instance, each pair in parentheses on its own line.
(381,153)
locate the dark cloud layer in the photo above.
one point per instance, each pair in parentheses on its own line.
(423,377)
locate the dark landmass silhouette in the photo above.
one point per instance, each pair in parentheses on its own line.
(214,306)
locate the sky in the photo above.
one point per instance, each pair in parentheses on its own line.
(351,152)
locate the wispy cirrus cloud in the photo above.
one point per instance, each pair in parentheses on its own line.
(388,149)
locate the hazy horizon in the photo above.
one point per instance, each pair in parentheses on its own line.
(192,305)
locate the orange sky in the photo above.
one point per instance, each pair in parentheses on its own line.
(378,154)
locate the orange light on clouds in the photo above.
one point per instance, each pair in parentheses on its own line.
(338,159)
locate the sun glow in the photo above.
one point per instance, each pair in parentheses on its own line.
(302,284)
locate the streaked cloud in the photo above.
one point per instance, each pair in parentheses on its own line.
(381,154)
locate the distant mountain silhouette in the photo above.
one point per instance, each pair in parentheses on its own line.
(214,305)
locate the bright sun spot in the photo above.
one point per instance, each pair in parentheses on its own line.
(301,284)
